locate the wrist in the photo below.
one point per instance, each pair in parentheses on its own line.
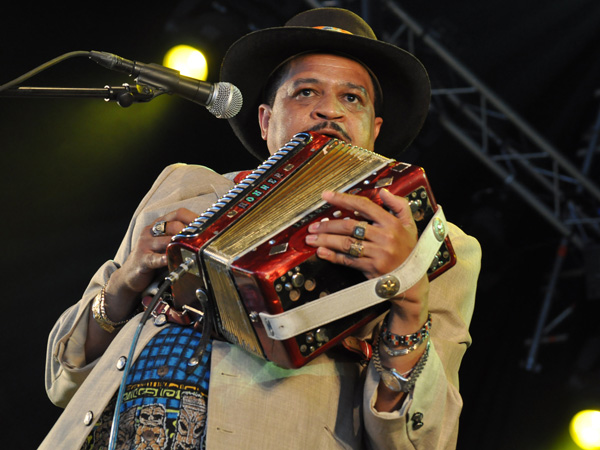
(396,356)
(100,315)
(395,379)
(117,299)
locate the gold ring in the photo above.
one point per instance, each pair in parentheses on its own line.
(159,228)
(356,249)
(360,230)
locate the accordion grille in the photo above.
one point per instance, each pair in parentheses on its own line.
(337,166)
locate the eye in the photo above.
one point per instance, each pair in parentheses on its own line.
(305,92)
(353,98)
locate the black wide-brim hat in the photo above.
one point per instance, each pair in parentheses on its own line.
(404,81)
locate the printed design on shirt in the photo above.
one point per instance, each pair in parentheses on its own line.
(136,393)
(126,432)
(151,432)
(163,406)
(191,421)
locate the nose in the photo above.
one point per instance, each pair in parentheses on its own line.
(328,108)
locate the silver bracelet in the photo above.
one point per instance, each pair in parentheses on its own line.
(391,378)
(401,351)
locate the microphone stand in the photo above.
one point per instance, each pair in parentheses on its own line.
(124,95)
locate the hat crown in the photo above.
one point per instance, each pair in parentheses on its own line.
(334,18)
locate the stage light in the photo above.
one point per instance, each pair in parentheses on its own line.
(187,60)
(585,429)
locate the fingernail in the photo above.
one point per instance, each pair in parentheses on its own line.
(327,195)
(322,252)
(314,227)
(310,238)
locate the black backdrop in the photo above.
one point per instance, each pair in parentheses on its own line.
(74,171)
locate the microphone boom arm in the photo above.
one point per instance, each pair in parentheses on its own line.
(124,95)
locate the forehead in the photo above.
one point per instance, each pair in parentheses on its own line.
(322,67)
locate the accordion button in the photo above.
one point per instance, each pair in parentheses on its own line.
(298,280)
(321,335)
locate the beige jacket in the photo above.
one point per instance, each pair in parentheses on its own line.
(254,404)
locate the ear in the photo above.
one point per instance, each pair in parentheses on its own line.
(377,126)
(264,117)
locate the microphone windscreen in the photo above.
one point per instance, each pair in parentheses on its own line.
(226,102)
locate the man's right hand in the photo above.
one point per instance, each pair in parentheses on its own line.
(122,292)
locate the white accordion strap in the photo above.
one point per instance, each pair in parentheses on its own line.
(363,295)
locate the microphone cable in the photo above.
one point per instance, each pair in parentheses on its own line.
(43,67)
(184,267)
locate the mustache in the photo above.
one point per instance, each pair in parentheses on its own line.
(334,126)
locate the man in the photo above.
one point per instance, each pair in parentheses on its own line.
(324,71)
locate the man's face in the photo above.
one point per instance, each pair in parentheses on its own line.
(326,93)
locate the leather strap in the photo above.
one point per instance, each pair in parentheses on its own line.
(363,295)
(170,314)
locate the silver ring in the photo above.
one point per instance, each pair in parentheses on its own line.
(356,249)
(360,230)
(159,228)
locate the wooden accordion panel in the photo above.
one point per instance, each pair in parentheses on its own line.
(251,251)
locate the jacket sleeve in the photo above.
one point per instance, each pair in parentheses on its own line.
(178,185)
(429,417)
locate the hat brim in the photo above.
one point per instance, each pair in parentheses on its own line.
(403,79)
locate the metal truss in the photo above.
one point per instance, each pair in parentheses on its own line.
(505,143)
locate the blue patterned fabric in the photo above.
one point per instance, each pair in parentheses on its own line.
(163,406)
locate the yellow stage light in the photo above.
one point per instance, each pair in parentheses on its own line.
(187,60)
(585,429)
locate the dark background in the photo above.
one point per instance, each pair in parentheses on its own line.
(75,169)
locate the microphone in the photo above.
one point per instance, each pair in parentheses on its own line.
(223,100)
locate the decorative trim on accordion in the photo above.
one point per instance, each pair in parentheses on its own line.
(197,226)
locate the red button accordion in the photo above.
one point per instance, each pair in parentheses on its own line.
(250,252)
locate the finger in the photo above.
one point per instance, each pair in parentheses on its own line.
(347,227)
(338,243)
(175,221)
(152,261)
(174,227)
(339,256)
(158,244)
(364,263)
(360,204)
(365,207)
(397,205)
(182,214)
(400,208)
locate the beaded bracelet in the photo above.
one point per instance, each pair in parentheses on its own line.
(401,351)
(407,340)
(99,313)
